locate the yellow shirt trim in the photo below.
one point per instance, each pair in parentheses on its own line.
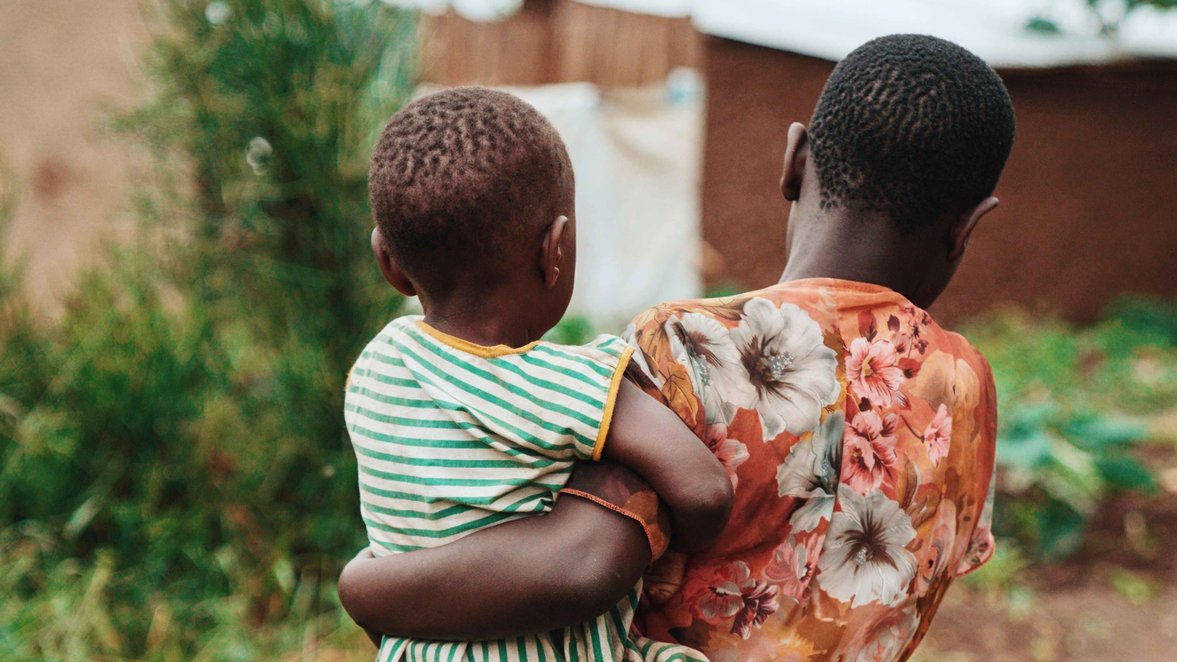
(611,402)
(473,348)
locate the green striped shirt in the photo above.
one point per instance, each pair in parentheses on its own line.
(451,437)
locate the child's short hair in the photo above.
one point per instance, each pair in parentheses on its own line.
(458,174)
(912,126)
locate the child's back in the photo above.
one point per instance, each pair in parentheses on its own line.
(452,436)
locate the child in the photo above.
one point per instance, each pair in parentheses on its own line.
(463,419)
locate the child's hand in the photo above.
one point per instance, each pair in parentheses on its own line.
(652,441)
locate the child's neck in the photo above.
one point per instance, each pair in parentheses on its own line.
(488,318)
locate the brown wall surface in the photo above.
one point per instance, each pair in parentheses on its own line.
(1088,199)
(66,69)
(558,41)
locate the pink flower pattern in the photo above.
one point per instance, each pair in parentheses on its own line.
(938,435)
(872,368)
(793,564)
(868,451)
(730,452)
(841,522)
(733,593)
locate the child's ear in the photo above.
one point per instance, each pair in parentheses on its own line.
(388,266)
(962,228)
(796,153)
(551,254)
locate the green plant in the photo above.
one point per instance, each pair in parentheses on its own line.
(1111,14)
(1108,15)
(1072,406)
(1133,587)
(175,480)
(1002,579)
(276,104)
(572,330)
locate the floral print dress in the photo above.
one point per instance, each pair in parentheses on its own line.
(859,438)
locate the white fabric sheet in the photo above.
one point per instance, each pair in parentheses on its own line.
(993,29)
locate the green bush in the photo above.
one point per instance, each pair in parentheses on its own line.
(275,105)
(174,473)
(1073,403)
(1106,15)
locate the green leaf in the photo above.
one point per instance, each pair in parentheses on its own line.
(1060,530)
(1030,451)
(572,330)
(1133,587)
(1094,432)
(1126,474)
(1071,477)
(1042,25)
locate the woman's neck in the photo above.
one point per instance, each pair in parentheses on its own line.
(862,249)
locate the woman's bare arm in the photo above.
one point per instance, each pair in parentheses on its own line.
(529,575)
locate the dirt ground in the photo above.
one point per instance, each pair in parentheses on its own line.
(1083,622)
(1115,600)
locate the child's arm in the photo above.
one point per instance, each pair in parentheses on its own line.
(651,440)
(539,573)
(530,575)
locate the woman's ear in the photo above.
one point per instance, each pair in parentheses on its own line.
(388,266)
(551,254)
(796,153)
(962,229)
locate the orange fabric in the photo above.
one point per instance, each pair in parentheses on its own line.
(859,437)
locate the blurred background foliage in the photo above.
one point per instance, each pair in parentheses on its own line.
(175,481)
(1106,15)
(1081,413)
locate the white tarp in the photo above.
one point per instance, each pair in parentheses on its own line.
(474,10)
(637,157)
(993,29)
